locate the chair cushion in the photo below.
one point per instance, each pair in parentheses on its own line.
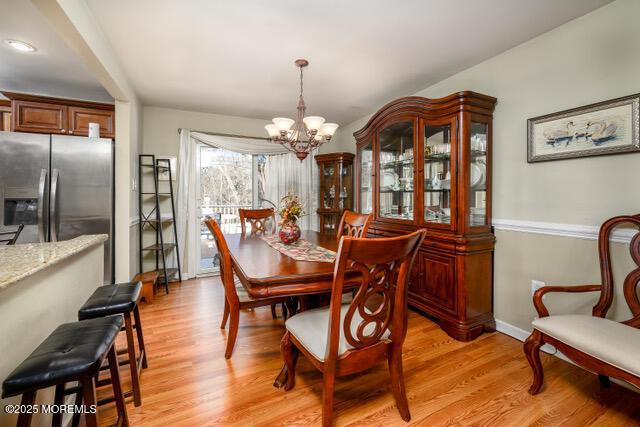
(606,340)
(311,328)
(111,299)
(72,349)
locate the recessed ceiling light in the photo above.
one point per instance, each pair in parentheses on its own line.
(21,46)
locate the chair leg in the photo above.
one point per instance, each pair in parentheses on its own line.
(233,330)
(143,349)
(532,351)
(133,362)
(604,381)
(117,387)
(75,421)
(290,357)
(285,314)
(58,400)
(274,315)
(397,383)
(89,397)
(327,399)
(24,419)
(225,314)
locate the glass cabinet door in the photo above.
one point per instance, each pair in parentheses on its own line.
(478,174)
(346,184)
(328,185)
(365,157)
(439,179)
(396,171)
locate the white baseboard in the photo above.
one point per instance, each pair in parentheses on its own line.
(521,335)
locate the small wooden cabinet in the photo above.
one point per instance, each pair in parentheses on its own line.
(426,163)
(38,114)
(336,189)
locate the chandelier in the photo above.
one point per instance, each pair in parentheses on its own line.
(305,134)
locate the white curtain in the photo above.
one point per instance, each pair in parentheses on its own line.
(286,173)
(239,145)
(186,211)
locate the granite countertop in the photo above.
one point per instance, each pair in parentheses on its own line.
(20,261)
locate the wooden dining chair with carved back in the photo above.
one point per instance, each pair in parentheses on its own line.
(605,347)
(259,220)
(344,339)
(354,224)
(236,297)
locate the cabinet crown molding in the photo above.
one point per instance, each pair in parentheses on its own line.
(14,96)
(470,101)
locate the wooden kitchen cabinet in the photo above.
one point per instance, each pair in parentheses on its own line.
(79,119)
(38,117)
(37,114)
(426,163)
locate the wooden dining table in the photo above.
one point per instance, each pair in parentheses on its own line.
(266,272)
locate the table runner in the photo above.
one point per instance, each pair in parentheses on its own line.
(301,250)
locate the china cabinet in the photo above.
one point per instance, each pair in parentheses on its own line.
(427,163)
(336,189)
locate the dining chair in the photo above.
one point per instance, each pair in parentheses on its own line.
(258,218)
(10,237)
(354,224)
(603,346)
(236,297)
(344,339)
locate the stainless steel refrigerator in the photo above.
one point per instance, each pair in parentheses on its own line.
(59,187)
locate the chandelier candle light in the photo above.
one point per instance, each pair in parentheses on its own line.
(304,135)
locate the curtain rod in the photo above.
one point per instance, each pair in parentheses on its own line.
(231,135)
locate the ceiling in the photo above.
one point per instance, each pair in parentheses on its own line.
(236,57)
(54,69)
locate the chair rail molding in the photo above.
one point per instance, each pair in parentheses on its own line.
(576,231)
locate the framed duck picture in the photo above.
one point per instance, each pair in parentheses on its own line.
(609,127)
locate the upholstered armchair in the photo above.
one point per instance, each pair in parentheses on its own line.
(605,347)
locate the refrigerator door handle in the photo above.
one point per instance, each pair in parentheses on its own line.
(55,175)
(41,219)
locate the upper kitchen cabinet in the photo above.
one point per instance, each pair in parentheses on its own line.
(39,114)
(426,163)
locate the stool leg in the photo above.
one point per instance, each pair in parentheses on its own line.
(117,387)
(75,421)
(133,363)
(58,400)
(24,419)
(89,396)
(143,350)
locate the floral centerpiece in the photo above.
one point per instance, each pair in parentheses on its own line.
(291,210)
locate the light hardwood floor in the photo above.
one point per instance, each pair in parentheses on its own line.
(484,382)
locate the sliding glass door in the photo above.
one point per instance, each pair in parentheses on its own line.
(226,184)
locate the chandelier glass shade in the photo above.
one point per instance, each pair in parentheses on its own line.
(305,134)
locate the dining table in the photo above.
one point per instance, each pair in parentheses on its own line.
(264,271)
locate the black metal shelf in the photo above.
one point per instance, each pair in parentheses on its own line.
(153,220)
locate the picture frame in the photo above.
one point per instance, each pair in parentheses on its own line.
(603,128)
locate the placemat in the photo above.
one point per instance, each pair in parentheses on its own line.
(301,250)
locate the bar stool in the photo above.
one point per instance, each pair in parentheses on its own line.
(121,299)
(73,352)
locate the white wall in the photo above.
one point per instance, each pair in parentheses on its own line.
(593,58)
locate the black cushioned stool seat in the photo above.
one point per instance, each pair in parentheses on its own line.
(121,298)
(73,352)
(111,299)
